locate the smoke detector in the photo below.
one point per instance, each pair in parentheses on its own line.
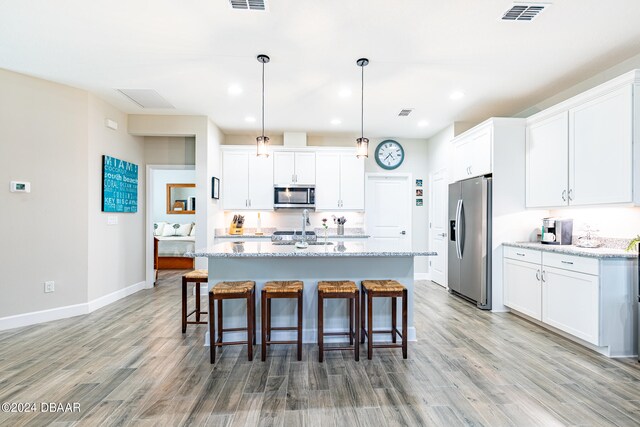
(524,11)
(248,4)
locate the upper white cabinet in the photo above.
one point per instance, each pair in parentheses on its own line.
(472,153)
(294,167)
(548,161)
(581,152)
(339,181)
(247,180)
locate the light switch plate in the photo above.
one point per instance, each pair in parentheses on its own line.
(112,220)
(49,286)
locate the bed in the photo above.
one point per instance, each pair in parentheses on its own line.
(169,251)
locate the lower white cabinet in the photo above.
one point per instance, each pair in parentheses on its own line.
(525,294)
(591,299)
(571,303)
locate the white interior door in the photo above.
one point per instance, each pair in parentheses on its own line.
(438,226)
(388,207)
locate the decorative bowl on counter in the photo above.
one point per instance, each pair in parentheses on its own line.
(584,242)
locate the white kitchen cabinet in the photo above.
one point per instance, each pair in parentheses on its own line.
(591,299)
(547,167)
(571,302)
(522,290)
(472,153)
(601,149)
(581,151)
(339,181)
(292,167)
(247,181)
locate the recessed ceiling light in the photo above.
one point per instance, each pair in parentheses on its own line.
(250,119)
(234,90)
(423,123)
(456,94)
(344,93)
(336,121)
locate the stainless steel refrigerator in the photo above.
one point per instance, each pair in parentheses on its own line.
(470,240)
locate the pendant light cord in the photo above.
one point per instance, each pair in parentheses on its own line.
(263,101)
(362,104)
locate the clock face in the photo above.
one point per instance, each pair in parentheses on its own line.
(389,154)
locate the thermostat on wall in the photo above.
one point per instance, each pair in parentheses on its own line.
(20,187)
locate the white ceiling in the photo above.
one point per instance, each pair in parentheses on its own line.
(191,51)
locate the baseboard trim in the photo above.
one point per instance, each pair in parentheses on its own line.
(42,316)
(309,336)
(421,276)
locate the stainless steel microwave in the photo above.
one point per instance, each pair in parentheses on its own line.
(294,196)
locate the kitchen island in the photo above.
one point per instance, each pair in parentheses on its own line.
(336,260)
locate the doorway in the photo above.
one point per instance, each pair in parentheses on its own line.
(388,206)
(438,206)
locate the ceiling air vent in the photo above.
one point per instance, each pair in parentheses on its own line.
(405,112)
(524,11)
(146,98)
(248,4)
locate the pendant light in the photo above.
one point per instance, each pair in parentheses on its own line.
(362,143)
(262,142)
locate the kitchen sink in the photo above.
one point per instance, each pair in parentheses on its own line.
(293,233)
(292,242)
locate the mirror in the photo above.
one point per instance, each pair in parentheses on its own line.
(181,199)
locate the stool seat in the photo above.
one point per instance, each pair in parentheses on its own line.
(338,286)
(197,274)
(240,287)
(383,286)
(283,286)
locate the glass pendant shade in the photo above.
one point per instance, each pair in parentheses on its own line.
(362,148)
(262,143)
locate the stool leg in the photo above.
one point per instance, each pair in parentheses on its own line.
(357,337)
(250,314)
(369,325)
(253,304)
(212,332)
(350,312)
(265,316)
(268,320)
(220,322)
(320,327)
(300,325)
(196,286)
(184,305)
(362,315)
(394,318)
(404,324)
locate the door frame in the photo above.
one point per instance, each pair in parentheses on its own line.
(431,216)
(149,274)
(409,185)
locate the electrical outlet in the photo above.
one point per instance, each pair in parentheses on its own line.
(49,286)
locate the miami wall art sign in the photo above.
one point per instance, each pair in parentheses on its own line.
(119,185)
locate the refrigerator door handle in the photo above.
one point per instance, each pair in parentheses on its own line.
(459,236)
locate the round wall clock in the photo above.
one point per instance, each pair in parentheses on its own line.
(389,154)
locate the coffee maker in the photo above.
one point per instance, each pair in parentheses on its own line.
(556,231)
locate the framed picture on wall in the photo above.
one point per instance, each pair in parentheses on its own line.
(215,188)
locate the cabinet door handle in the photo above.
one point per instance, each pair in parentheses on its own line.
(567,262)
(246,203)
(519,254)
(564,195)
(543,276)
(470,171)
(571,194)
(538,274)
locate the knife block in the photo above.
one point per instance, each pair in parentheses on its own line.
(236,231)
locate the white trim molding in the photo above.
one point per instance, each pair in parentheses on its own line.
(58,313)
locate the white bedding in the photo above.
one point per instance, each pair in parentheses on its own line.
(175,246)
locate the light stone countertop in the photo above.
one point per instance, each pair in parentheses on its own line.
(347,248)
(602,252)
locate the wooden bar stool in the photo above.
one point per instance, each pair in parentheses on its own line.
(339,289)
(196,277)
(381,289)
(282,289)
(232,290)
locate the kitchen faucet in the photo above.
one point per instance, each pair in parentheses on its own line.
(305,221)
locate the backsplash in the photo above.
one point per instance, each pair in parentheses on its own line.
(290,220)
(621,223)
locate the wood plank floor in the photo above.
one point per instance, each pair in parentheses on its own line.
(128,364)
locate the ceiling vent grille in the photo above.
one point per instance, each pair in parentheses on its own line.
(524,11)
(405,112)
(248,4)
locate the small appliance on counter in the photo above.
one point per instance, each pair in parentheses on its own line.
(556,231)
(237,225)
